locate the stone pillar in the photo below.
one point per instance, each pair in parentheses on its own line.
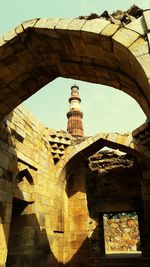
(78,219)
(145,214)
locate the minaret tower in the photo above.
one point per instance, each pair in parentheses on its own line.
(74,125)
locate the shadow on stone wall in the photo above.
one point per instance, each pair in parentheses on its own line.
(28,244)
(88,196)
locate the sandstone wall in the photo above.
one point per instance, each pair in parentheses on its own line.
(28,188)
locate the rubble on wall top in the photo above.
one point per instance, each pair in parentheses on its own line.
(110,161)
(118,17)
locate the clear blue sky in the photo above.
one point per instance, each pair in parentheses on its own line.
(105,109)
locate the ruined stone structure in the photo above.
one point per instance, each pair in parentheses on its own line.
(121,233)
(51,203)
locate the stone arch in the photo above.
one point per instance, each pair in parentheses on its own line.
(81,152)
(39,50)
(81,201)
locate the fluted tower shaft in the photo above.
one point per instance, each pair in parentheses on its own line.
(75,125)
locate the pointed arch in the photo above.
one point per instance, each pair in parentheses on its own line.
(40,50)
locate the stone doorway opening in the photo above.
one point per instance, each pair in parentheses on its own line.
(16,236)
(121,233)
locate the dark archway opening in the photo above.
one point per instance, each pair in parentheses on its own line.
(16,244)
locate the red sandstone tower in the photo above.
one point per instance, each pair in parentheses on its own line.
(74,125)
